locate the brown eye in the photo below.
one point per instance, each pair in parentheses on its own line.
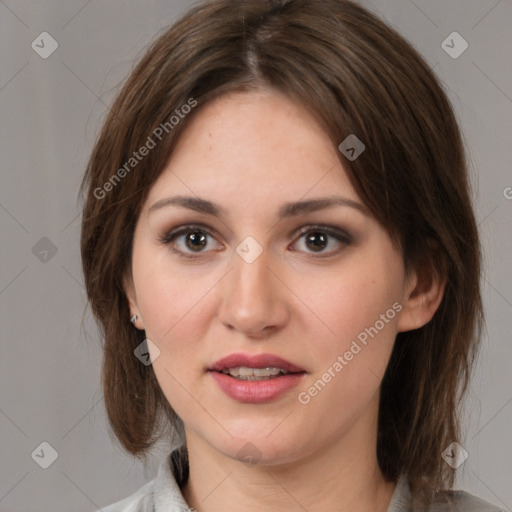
(191,241)
(316,241)
(324,241)
(196,240)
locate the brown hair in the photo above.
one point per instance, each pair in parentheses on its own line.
(357,76)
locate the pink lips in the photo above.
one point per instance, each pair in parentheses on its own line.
(254,361)
(256,391)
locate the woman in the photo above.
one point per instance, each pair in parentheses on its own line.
(279,246)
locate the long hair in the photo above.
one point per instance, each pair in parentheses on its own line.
(356,75)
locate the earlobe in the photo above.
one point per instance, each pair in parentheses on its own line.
(423,295)
(135,318)
(129,290)
(137,322)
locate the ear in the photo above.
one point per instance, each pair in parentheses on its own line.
(424,290)
(129,290)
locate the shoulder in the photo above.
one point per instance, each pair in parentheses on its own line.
(455,501)
(446,501)
(161,493)
(139,501)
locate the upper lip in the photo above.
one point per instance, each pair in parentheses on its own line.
(254,361)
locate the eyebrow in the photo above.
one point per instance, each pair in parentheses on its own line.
(287,210)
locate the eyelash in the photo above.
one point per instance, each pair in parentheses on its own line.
(341,236)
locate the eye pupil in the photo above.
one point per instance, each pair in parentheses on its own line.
(316,241)
(196,240)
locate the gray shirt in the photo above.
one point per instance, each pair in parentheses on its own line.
(162,494)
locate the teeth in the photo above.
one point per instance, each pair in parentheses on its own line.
(245,373)
(265,372)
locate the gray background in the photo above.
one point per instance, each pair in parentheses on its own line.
(51,110)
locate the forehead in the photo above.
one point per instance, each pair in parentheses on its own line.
(246,145)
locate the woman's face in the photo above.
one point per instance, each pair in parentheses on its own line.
(254,246)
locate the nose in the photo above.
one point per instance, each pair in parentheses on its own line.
(254,301)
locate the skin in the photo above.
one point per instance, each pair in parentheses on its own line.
(250,153)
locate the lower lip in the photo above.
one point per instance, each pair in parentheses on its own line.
(256,391)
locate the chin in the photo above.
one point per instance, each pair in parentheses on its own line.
(261,451)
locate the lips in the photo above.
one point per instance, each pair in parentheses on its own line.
(257,378)
(254,361)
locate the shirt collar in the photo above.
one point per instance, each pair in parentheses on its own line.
(401,499)
(173,474)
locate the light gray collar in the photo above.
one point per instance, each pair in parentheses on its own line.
(401,499)
(174,471)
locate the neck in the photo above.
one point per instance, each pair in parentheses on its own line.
(343,476)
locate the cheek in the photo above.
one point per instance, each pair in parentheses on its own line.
(355,299)
(360,306)
(361,312)
(176,311)
(171,300)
